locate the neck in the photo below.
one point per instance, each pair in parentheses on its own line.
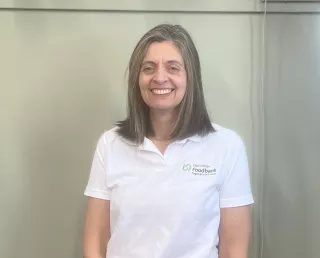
(162,123)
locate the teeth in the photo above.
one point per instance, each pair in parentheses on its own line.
(161,92)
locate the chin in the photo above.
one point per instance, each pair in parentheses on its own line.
(162,107)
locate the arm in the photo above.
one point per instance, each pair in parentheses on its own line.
(235,232)
(96,228)
(97,220)
(235,203)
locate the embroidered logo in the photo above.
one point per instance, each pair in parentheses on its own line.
(187,167)
(201,170)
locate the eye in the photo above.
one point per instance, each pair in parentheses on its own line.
(148,69)
(174,69)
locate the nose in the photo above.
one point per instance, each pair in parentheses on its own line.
(160,76)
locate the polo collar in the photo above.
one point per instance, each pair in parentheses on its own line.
(194,138)
(147,144)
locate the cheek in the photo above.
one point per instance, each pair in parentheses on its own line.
(143,82)
(140,81)
(182,86)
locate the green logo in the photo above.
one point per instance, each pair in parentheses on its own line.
(201,170)
(186,167)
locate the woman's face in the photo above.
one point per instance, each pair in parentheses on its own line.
(163,79)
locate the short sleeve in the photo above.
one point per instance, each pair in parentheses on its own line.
(97,184)
(236,188)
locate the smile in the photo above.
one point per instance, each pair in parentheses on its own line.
(162,91)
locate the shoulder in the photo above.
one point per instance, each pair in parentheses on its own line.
(111,137)
(231,145)
(110,134)
(225,136)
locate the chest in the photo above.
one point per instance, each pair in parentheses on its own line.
(147,182)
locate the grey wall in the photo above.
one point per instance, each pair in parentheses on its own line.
(62,84)
(290,203)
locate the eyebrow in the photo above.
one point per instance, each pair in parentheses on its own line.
(170,62)
(175,62)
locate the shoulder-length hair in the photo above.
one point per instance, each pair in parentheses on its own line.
(192,117)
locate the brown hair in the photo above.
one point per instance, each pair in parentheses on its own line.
(193,117)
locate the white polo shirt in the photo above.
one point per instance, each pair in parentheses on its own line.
(168,206)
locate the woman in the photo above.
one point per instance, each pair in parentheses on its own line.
(166,182)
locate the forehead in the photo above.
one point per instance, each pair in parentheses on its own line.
(163,51)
